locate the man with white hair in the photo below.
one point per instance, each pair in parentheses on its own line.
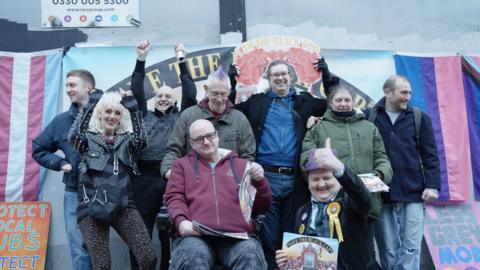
(234,131)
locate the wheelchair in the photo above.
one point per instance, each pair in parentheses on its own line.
(164,224)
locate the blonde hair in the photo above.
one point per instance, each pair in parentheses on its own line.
(110,98)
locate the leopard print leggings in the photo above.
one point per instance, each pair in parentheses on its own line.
(130,227)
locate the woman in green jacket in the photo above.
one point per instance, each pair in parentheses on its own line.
(357,141)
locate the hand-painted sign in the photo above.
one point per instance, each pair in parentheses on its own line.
(453,236)
(24,234)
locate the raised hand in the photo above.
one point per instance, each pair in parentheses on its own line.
(143,48)
(180,52)
(327,159)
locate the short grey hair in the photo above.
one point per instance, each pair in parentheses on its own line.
(391,82)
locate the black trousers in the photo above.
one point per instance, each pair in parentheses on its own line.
(148,190)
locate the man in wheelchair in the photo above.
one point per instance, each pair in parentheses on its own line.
(204,189)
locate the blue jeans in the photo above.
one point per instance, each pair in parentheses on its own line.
(398,233)
(79,258)
(280,218)
(200,253)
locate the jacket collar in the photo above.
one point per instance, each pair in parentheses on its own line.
(98,139)
(329,116)
(204,105)
(225,154)
(73,110)
(172,109)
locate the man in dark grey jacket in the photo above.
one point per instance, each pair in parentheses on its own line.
(54,137)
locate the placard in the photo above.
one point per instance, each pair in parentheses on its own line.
(90,13)
(24,234)
(310,252)
(452,233)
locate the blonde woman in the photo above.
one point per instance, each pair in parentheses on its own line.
(108,135)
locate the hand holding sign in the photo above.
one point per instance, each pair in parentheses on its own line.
(327,159)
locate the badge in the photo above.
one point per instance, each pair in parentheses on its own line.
(301,229)
(333,209)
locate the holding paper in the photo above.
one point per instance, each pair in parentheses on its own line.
(335,215)
(246,194)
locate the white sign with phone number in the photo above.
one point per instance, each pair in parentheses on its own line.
(90,13)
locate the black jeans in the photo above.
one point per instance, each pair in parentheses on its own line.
(148,190)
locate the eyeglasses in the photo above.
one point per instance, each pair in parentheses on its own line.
(200,139)
(280,74)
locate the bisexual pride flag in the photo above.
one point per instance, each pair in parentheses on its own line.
(449,93)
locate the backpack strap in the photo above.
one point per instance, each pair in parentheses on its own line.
(372,115)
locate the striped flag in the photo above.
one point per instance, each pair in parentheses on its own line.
(471,85)
(438,90)
(29,89)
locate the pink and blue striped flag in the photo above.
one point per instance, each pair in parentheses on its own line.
(29,89)
(439,89)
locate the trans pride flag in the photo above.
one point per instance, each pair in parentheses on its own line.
(450,95)
(29,89)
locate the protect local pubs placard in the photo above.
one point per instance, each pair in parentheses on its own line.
(24,234)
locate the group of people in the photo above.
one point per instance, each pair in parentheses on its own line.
(195,159)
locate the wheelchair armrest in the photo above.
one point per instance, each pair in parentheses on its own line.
(163,220)
(258,222)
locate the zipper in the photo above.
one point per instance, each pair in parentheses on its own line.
(215,196)
(115,164)
(351,145)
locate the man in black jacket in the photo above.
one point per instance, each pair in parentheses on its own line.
(54,137)
(416,175)
(149,186)
(278,119)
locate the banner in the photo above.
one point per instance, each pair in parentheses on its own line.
(30,84)
(161,68)
(452,234)
(24,235)
(471,85)
(437,89)
(90,13)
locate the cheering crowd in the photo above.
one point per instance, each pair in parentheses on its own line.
(301,153)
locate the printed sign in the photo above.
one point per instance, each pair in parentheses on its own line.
(309,252)
(254,56)
(90,13)
(24,234)
(453,236)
